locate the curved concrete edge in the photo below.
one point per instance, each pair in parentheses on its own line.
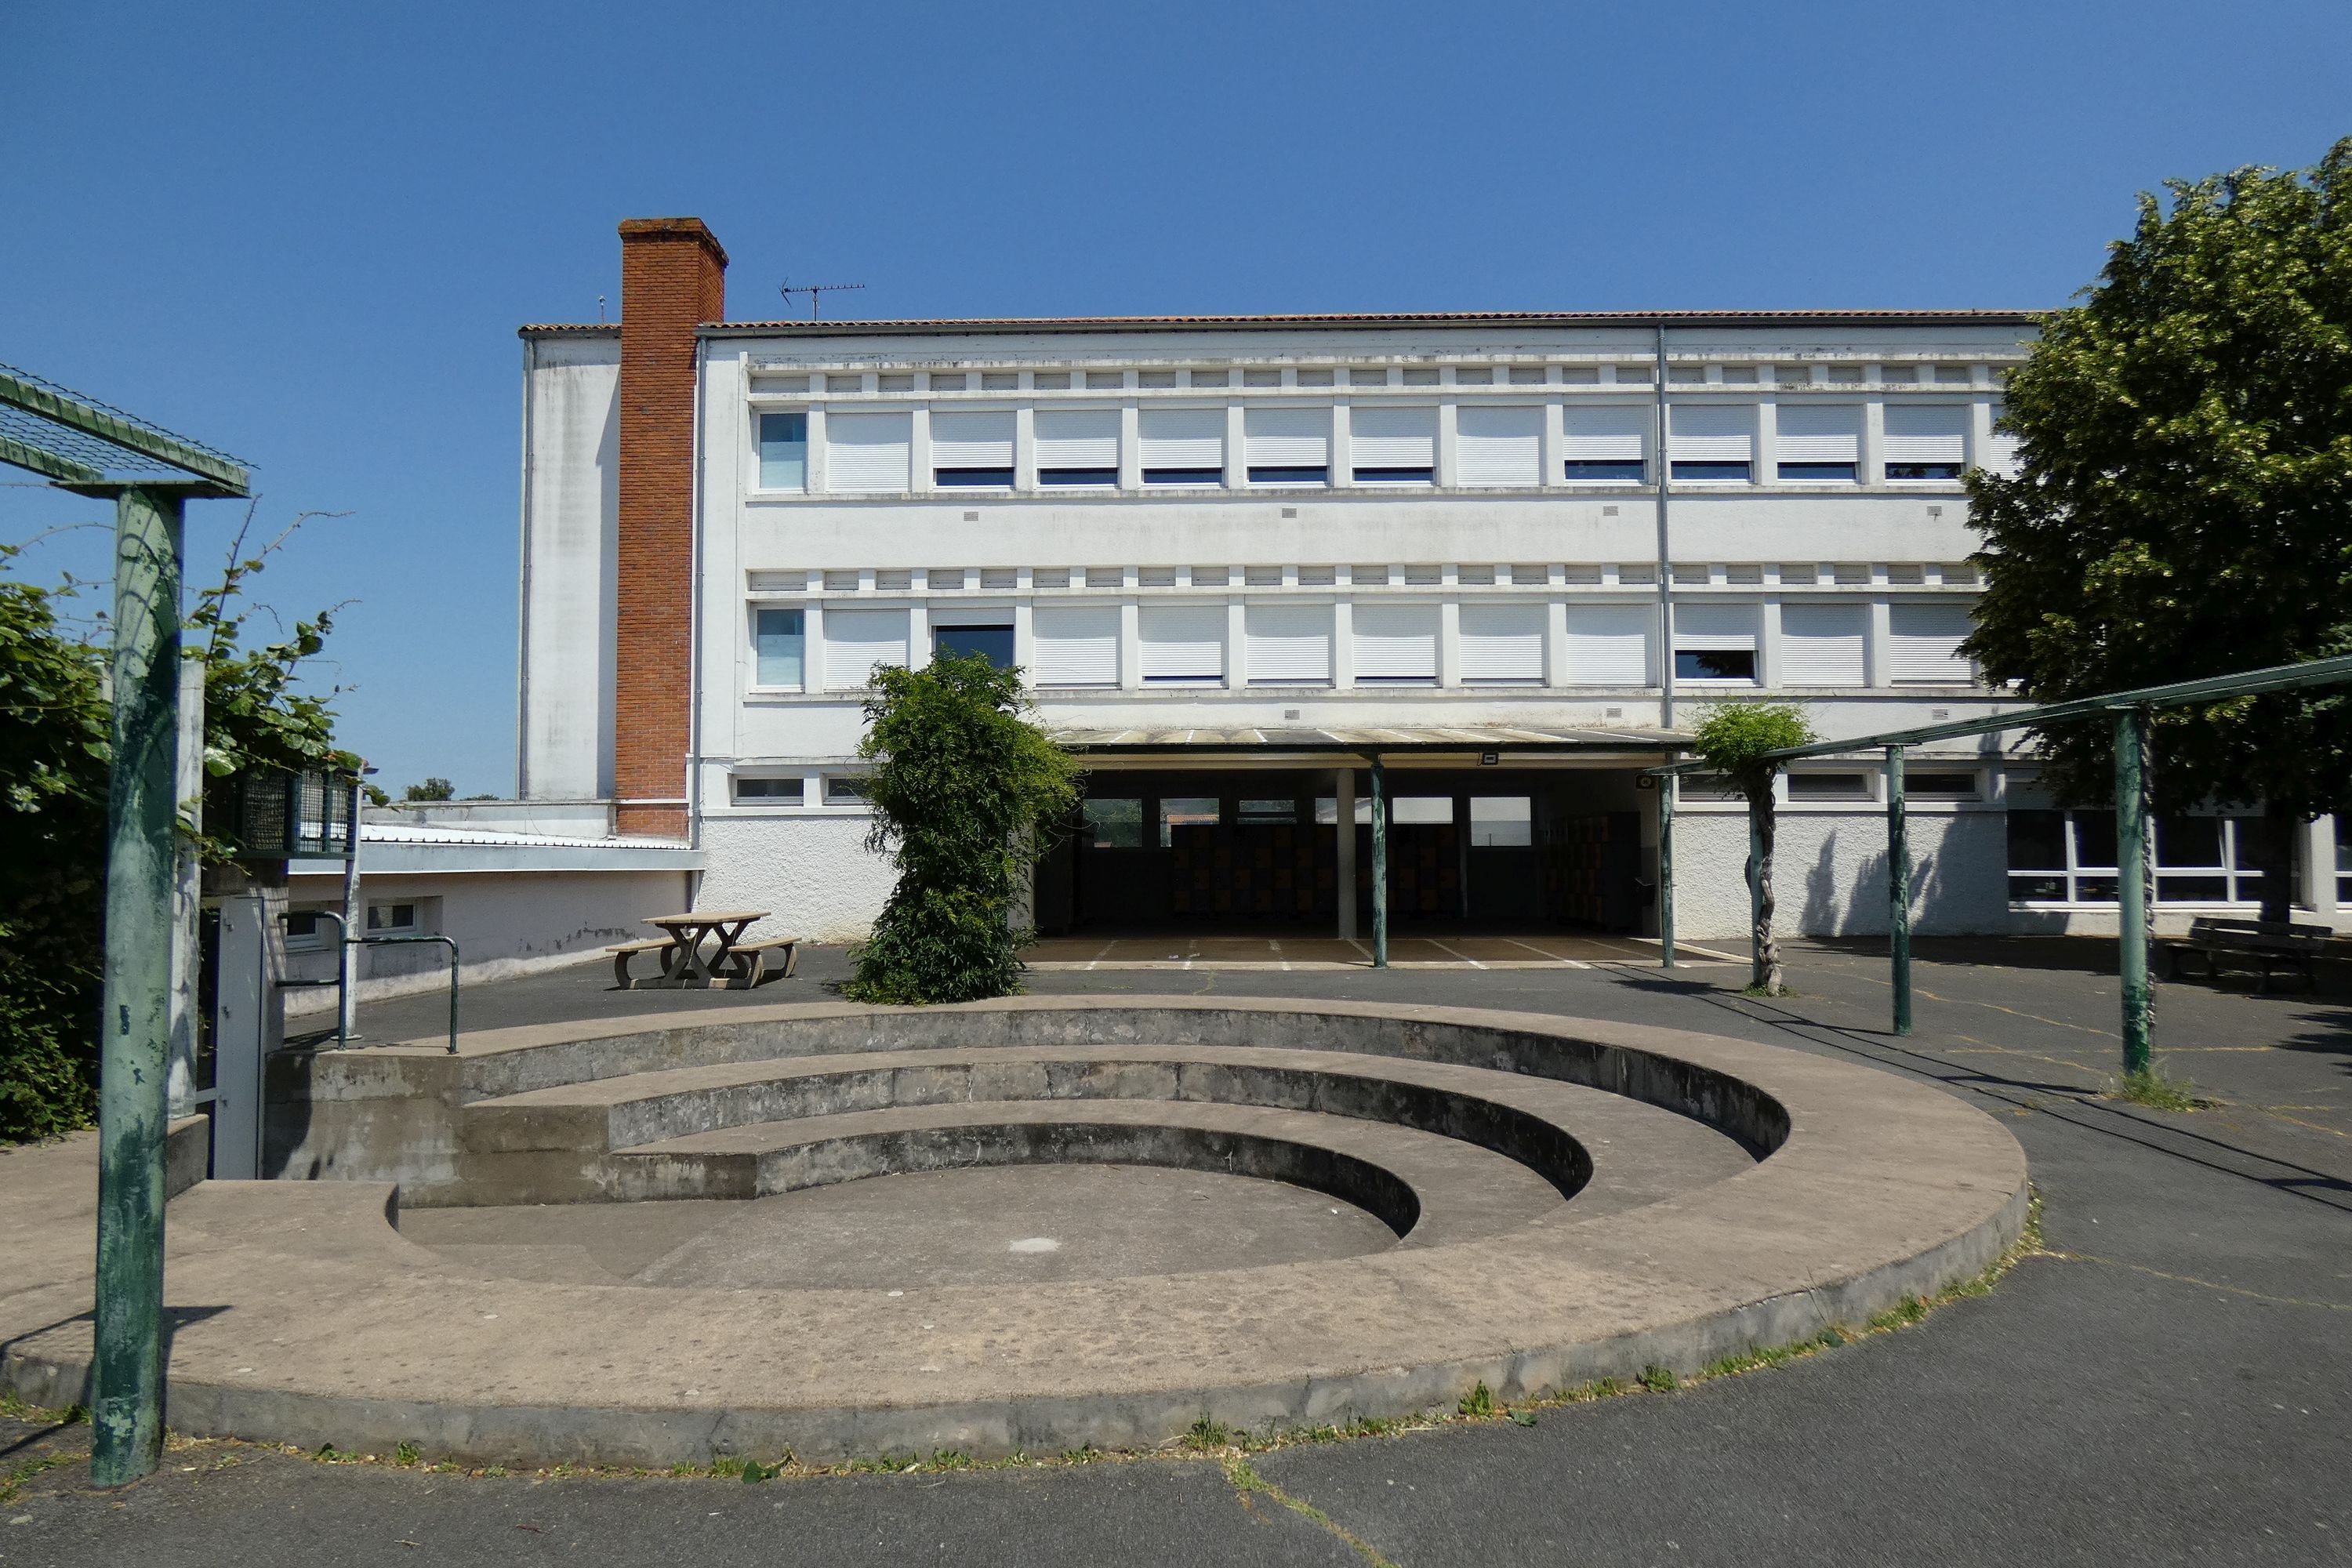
(653,1436)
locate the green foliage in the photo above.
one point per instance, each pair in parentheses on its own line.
(1479,1401)
(431,789)
(1733,738)
(55,754)
(2156,1089)
(963,788)
(2184,507)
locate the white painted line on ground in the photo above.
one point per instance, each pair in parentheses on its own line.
(1456,951)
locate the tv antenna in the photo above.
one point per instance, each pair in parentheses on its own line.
(813,290)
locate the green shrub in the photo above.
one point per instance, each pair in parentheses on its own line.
(964,789)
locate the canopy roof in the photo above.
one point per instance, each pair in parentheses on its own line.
(1522,738)
(80,444)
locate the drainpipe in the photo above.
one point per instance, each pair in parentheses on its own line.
(694,619)
(1665,553)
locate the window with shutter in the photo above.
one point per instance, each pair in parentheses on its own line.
(1609,645)
(857,640)
(1289,645)
(1394,643)
(1078,446)
(1502,645)
(1712,440)
(1821,645)
(970,449)
(867,453)
(1498,447)
(1076,645)
(1924,643)
(1287,445)
(1183,642)
(1715,642)
(1393,446)
(1604,443)
(1820,441)
(1925,442)
(1182,445)
(2000,454)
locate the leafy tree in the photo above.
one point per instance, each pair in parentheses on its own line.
(964,789)
(54,753)
(1732,739)
(2184,503)
(431,789)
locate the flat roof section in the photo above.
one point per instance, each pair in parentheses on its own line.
(1459,738)
(1340,321)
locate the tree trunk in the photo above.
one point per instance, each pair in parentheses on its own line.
(1765,972)
(2279,826)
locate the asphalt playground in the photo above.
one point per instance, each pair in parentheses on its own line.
(2165,1380)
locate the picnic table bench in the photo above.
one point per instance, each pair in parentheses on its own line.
(2250,945)
(704,948)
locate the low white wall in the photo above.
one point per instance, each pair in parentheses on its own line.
(1830,874)
(813,873)
(505,924)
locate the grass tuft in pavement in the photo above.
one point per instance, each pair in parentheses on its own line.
(2155,1090)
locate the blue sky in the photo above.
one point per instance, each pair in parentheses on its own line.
(305,234)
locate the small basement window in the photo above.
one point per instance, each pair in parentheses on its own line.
(1828,786)
(1289,476)
(845,790)
(1711,469)
(307,930)
(972,479)
(1939,786)
(1817,472)
(1627,470)
(391,919)
(1184,476)
(1068,479)
(786,790)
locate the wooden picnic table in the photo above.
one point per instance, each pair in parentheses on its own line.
(703,948)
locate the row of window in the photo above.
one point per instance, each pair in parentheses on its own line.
(872,452)
(1414,575)
(1185,644)
(1644,373)
(2069,857)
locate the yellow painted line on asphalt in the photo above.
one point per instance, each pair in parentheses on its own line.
(2202,1284)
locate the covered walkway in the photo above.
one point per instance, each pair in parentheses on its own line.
(1543,950)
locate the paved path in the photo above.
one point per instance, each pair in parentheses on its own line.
(2172,1386)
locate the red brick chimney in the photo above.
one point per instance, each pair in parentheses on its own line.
(672,278)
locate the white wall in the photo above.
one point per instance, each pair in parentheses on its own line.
(1829,873)
(505,924)
(571,511)
(813,873)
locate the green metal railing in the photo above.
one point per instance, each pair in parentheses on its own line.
(2129,711)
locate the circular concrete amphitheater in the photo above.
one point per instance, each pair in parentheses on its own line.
(1030,1225)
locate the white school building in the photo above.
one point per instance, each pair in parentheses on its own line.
(1509,557)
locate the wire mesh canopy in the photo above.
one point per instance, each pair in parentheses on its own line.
(80,444)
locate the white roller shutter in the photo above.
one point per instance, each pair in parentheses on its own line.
(1182,437)
(1925,639)
(867,452)
(1183,642)
(1714,628)
(1288,438)
(1394,642)
(1611,433)
(1609,645)
(1076,438)
(1819,433)
(2000,448)
(1712,432)
(1502,643)
(1500,447)
(1930,434)
(1289,645)
(1387,438)
(1076,645)
(971,441)
(857,640)
(1821,645)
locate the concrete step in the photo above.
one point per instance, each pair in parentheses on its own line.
(1608,1151)
(1430,1190)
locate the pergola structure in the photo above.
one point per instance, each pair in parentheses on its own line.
(81,444)
(2129,711)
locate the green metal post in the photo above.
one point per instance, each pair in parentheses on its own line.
(1898,892)
(1666,870)
(127,1401)
(1380,865)
(2131,891)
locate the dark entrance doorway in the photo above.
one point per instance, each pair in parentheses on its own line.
(1485,849)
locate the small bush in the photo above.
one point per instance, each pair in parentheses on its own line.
(1479,1401)
(1660,1379)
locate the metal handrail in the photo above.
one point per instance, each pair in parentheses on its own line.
(446,941)
(343,940)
